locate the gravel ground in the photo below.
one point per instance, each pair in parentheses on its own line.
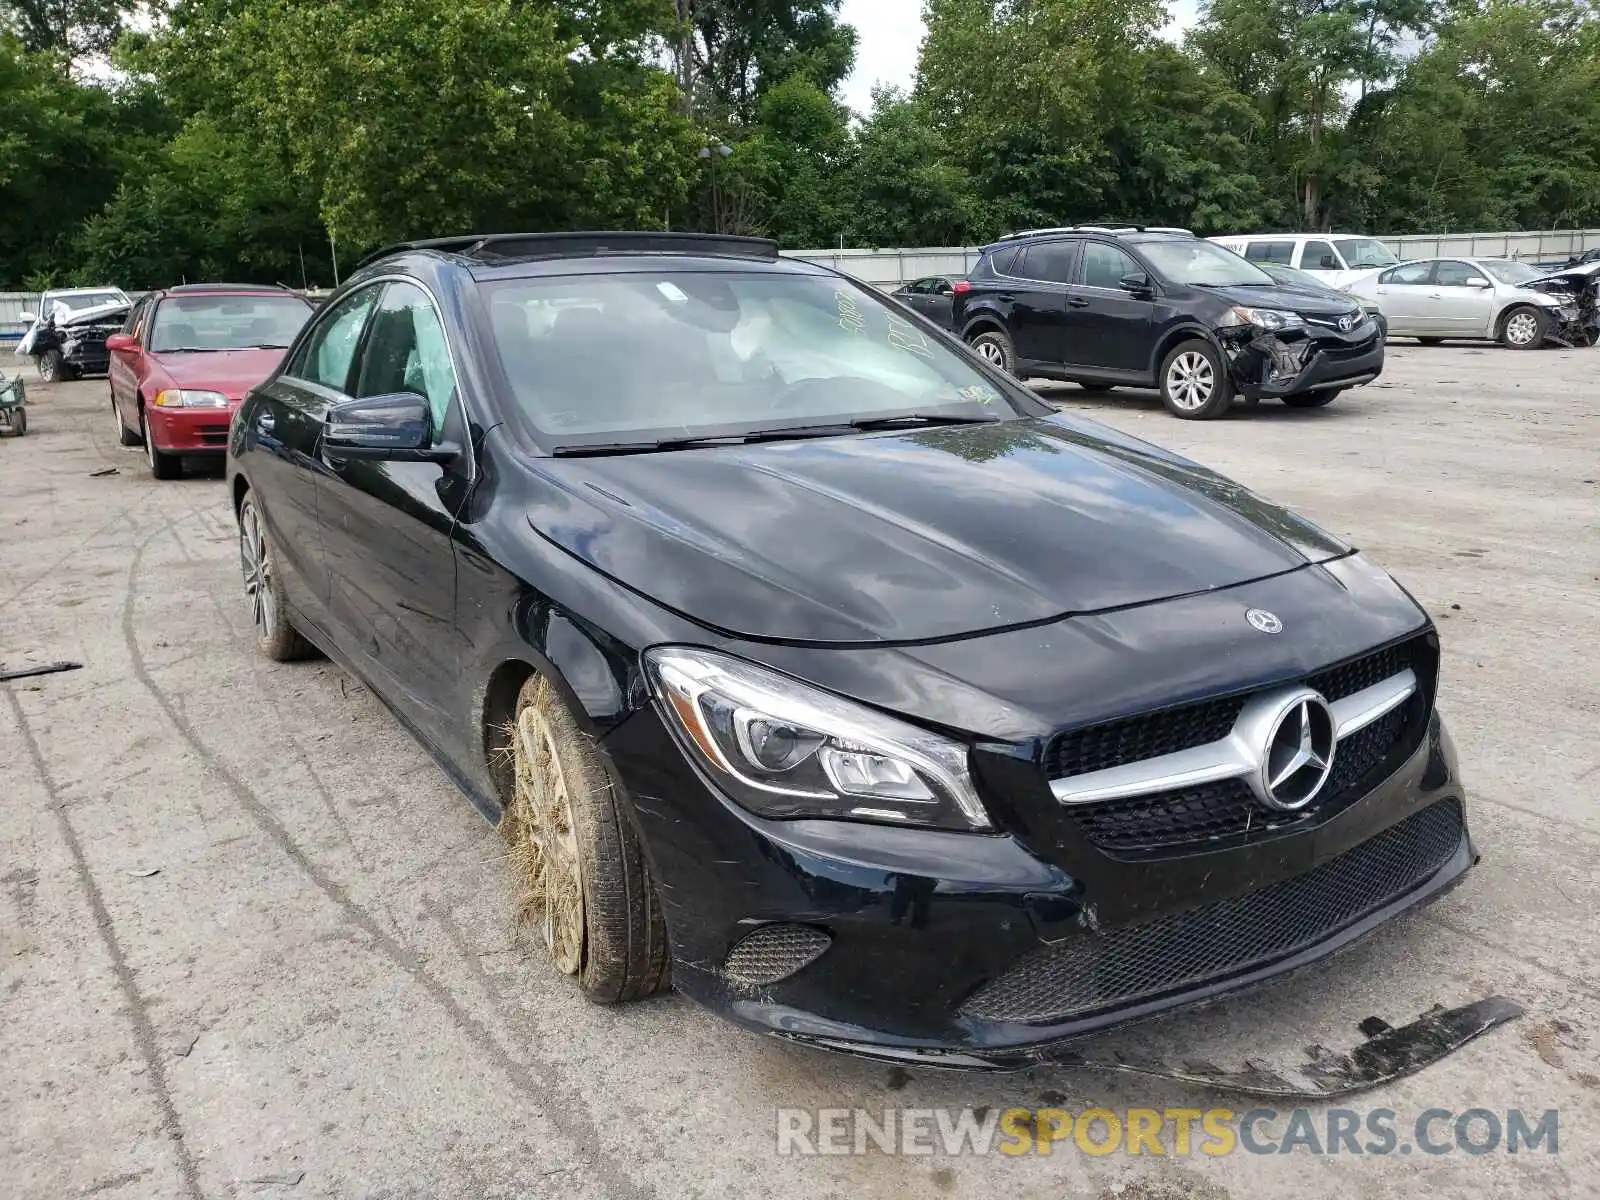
(253,943)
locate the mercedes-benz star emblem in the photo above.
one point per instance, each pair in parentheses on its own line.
(1299,754)
(1266,622)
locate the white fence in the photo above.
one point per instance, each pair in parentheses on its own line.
(891,268)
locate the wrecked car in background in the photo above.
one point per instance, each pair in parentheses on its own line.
(1432,299)
(1577,292)
(67,336)
(1109,306)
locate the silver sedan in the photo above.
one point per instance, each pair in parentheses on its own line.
(1432,299)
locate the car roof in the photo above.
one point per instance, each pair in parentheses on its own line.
(494,248)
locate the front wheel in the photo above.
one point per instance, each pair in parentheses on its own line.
(1194,384)
(994,347)
(125,436)
(162,464)
(1312,399)
(1523,328)
(582,880)
(52,367)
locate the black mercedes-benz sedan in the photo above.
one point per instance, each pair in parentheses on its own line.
(812,665)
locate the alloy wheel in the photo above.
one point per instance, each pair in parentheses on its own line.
(149,444)
(256,564)
(546,806)
(1522,328)
(1191,380)
(991,353)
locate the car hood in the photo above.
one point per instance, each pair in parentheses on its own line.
(98,315)
(232,372)
(1308,303)
(915,536)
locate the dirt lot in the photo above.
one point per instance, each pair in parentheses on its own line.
(253,943)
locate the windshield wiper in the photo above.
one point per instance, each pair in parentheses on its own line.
(777,434)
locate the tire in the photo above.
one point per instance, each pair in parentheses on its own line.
(1194,383)
(17,424)
(1523,328)
(1430,341)
(994,347)
(276,637)
(583,884)
(1312,399)
(125,436)
(52,367)
(162,464)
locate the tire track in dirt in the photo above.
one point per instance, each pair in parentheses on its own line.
(138,1008)
(571,1118)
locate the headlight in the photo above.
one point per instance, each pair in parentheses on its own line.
(183,398)
(782,749)
(1271,319)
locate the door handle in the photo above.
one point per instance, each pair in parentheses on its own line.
(1077,302)
(265,424)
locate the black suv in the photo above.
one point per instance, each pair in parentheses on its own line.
(1103,306)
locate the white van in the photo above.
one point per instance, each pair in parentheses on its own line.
(1334,258)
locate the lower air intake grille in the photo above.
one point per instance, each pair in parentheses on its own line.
(1221,939)
(775,952)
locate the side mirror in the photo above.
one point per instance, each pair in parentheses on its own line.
(397,427)
(1137,283)
(28,317)
(1478,281)
(123,341)
(1329,263)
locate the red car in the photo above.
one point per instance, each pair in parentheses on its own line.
(186,358)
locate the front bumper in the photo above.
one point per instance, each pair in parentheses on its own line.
(1266,365)
(189,430)
(938,944)
(87,359)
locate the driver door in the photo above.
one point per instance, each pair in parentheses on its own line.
(387,527)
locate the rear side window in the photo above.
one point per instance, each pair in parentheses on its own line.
(1049,262)
(1003,262)
(1319,256)
(326,356)
(1410,273)
(1273,252)
(1104,266)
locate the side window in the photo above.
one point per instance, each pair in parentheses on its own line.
(1104,266)
(1450,273)
(135,323)
(326,355)
(1409,273)
(1004,262)
(1050,262)
(406,352)
(941,287)
(1273,252)
(1319,256)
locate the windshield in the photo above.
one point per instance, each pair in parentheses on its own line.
(1203,264)
(680,355)
(1366,252)
(1506,271)
(82,301)
(227,322)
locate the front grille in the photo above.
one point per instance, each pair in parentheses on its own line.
(214,435)
(774,952)
(1225,938)
(1225,811)
(1117,742)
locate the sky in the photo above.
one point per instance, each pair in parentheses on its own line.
(890,33)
